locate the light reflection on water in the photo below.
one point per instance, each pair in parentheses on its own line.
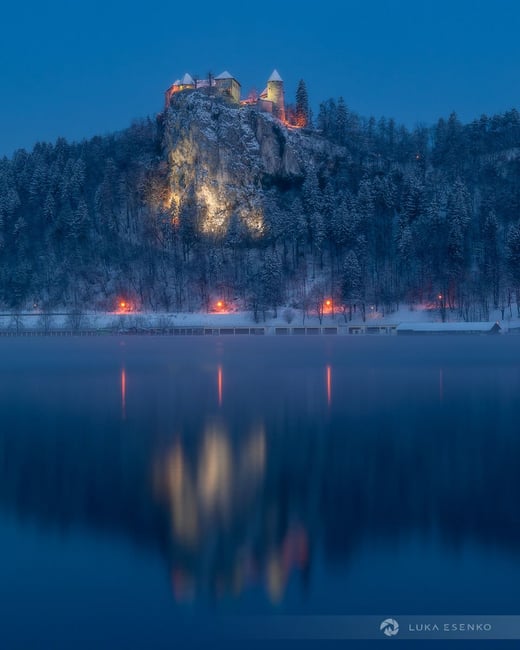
(299,488)
(220,383)
(123,393)
(210,500)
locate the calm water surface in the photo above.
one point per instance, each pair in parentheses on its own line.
(150,486)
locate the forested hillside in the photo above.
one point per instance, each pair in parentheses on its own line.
(212,201)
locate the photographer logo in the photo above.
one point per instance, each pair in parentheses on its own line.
(390,627)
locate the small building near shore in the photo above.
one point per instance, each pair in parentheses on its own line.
(407,329)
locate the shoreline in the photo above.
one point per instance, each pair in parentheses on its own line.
(288,322)
(312,331)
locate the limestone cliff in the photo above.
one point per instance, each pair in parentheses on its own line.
(222,157)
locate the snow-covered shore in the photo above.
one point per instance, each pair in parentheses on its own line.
(36,321)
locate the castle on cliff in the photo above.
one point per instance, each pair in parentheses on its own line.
(271,100)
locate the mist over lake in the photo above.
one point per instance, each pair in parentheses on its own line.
(151,485)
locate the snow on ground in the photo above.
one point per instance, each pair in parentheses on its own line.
(35,320)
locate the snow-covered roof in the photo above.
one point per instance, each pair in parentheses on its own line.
(205,83)
(187,80)
(225,75)
(263,94)
(177,82)
(447,327)
(275,76)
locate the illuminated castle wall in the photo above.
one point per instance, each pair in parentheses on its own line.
(271,100)
(227,85)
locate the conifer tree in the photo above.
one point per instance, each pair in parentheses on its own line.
(341,122)
(302,104)
(351,286)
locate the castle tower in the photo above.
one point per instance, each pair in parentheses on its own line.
(187,83)
(275,95)
(228,85)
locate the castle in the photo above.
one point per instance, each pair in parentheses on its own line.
(271,100)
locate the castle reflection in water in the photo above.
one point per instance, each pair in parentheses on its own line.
(239,482)
(218,545)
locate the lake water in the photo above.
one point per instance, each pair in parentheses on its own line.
(154,488)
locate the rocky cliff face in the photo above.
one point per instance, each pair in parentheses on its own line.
(221,158)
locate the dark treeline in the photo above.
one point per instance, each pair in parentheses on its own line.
(428,216)
(71,218)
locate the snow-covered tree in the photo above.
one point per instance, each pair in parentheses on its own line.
(302,104)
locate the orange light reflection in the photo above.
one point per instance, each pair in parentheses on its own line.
(220,385)
(123,393)
(329,385)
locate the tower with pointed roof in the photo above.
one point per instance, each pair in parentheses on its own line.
(275,94)
(228,85)
(186,83)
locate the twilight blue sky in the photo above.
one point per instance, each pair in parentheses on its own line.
(77,68)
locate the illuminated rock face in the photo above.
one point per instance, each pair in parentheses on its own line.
(220,158)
